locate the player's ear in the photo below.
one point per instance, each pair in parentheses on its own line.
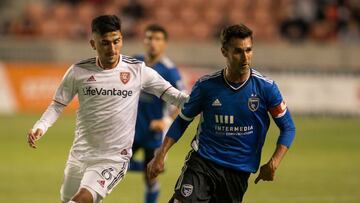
(224,51)
(92,43)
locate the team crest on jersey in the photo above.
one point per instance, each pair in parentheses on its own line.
(124,77)
(253,102)
(186,190)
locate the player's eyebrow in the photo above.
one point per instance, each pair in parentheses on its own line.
(112,40)
(243,49)
(118,38)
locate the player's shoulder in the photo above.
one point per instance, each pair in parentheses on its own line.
(86,63)
(130,60)
(211,77)
(167,63)
(139,57)
(264,80)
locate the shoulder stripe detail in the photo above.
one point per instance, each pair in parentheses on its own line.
(131,61)
(185,117)
(207,77)
(87,61)
(257,74)
(129,58)
(255,71)
(263,78)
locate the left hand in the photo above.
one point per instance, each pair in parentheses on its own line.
(267,172)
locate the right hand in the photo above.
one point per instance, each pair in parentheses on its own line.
(155,166)
(33,136)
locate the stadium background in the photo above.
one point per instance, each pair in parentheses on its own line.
(311,48)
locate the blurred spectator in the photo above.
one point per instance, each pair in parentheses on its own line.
(84,13)
(295,30)
(351,32)
(30,22)
(294,21)
(57,24)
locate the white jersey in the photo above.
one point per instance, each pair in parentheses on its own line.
(108,100)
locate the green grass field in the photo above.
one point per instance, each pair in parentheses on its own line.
(323,164)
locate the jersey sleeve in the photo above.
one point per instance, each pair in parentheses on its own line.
(194,104)
(281,115)
(275,103)
(66,90)
(49,117)
(153,83)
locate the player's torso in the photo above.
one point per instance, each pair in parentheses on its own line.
(118,86)
(234,112)
(108,106)
(233,122)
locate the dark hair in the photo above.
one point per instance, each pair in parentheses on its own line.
(105,23)
(157,28)
(234,31)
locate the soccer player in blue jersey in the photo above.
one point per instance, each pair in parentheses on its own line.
(152,112)
(233,104)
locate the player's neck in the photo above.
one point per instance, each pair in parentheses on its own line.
(150,60)
(107,66)
(236,76)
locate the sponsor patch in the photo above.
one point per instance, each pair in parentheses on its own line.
(186,190)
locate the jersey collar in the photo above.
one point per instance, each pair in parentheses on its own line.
(99,66)
(232,87)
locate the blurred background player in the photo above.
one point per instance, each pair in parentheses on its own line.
(154,114)
(234,104)
(108,87)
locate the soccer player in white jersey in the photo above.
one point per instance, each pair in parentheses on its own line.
(108,88)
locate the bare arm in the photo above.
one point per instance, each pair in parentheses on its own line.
(156,166)
(267,171)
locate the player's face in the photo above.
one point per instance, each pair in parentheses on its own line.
(239,53)
(155,43)
(108,47)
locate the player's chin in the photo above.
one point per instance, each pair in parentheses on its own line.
(243,67)
(112,59)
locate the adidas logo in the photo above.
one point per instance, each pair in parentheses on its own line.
(216,103)
(101,182)
(91,79)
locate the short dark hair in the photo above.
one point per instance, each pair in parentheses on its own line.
(105,23)
(234,31)
(157,28)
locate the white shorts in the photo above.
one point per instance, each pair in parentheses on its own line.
(101,177)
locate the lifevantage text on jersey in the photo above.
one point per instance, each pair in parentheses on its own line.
(106,92)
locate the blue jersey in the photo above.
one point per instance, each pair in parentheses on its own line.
(151,108)
(234,119)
